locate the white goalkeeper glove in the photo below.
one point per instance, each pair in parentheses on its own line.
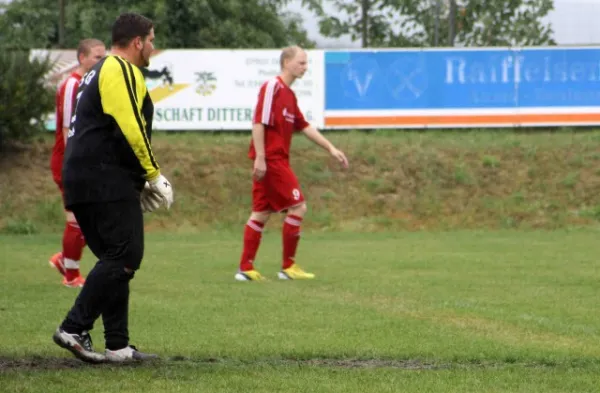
(150,201)
(162,188)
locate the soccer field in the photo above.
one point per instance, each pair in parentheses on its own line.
(509,311)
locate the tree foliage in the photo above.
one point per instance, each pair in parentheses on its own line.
(506,23)
(24,96)
(25,24)
(179,23)
(402,23)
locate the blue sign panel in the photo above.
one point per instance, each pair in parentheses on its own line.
(462,79)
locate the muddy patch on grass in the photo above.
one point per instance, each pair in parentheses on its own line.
(34,364)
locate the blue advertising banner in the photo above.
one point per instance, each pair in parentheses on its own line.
(529,86)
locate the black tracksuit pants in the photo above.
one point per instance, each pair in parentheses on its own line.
(114,232)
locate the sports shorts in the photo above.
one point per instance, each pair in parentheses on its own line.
(57,177)
(278,190)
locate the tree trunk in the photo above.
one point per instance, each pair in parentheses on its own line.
(452,23)
(365,23)
(61,23)
(436,39)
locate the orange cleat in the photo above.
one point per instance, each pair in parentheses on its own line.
(57,262)
(77,282)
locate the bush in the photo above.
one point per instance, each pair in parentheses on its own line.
(25,98)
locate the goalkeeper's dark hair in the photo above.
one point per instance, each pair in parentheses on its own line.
(129,26)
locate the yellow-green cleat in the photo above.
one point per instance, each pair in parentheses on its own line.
(294,272)
(249,275)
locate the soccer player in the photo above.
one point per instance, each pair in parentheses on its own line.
(109,174)
(275,187)
(89,52)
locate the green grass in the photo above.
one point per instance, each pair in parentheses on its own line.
(503,311)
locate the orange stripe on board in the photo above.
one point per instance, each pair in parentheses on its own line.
(462,119)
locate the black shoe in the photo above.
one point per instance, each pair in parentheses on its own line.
(128,354)
(80,345)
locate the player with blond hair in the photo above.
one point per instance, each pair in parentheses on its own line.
(275,187)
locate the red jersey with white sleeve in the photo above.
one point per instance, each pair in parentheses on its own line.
(277,108)
(65,108)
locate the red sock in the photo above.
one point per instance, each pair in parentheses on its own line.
(252,236)
(291,237)
(73,244)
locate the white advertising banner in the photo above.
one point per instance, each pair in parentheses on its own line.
(218,89)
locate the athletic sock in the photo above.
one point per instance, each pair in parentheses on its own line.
(252,236)
(73,244)
(291,237)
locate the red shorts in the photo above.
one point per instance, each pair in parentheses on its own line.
(58,180)
(56,168)
(278,190)
(57,177)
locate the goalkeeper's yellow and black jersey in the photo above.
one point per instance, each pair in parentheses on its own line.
(108,156)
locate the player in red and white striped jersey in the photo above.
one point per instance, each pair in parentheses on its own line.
(89,52)
(275,187)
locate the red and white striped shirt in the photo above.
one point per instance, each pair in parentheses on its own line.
(65,106)
(277,108)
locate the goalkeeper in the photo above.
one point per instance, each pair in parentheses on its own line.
(110,178)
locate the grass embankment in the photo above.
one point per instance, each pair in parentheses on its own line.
(397,180)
